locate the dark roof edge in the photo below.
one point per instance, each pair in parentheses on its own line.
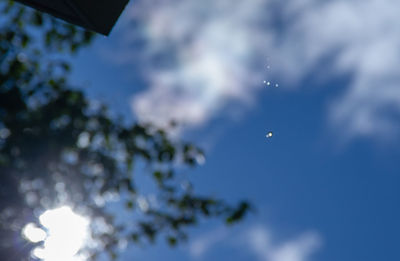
(99,18)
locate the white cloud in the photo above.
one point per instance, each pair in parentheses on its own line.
(363,37)
(204,243)
(298,249)
(258,241)
(199,56)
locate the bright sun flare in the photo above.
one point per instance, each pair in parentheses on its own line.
(66,233)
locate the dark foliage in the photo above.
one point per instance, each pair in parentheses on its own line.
(56,147)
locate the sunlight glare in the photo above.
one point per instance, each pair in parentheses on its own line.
(67,233)
(33,233)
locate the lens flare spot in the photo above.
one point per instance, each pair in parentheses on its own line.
(66,233)
(34,234)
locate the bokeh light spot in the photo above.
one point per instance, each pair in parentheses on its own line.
(34,234)
(66,234)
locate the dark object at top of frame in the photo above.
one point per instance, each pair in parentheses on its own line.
(94,15)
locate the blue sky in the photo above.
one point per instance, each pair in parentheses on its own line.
(326,184)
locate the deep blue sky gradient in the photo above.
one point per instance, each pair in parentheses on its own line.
(303,178)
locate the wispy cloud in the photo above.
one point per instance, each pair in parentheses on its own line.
(199,56)
(362,38)
(298,249)
(258,241)
(205,242)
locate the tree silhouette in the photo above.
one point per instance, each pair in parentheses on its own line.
(57,148)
